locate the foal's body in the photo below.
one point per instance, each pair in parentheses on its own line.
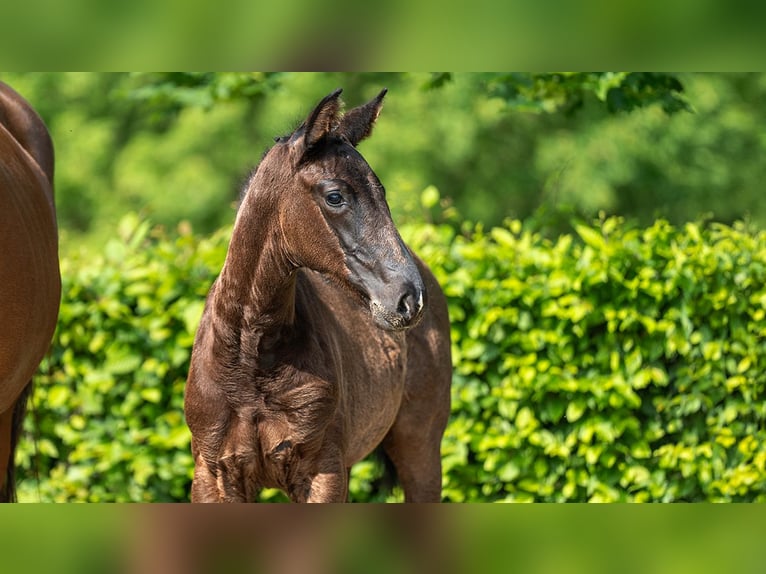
(299,425)
(301,366)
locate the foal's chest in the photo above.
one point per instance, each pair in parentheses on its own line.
(372,389)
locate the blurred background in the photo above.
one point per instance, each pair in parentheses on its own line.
(178,147)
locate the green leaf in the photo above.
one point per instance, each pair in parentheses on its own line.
(575,410)
(590,236)
(429,197)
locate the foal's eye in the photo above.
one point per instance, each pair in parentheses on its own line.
(334,198)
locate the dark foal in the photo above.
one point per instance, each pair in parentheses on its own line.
(30,285)
(323,337)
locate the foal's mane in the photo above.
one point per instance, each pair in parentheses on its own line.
(278,140)
(251,174)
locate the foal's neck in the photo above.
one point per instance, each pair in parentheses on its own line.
(256,291)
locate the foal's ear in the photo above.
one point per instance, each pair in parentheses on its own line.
(357,124)
(322,120)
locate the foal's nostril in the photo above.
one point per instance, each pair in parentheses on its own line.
(405,305)
(411,304)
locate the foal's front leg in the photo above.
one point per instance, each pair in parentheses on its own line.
(204,487)
(329,487)
(230,483)
(224,468)
(330,484)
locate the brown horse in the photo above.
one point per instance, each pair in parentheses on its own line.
(30,285)
(323,337)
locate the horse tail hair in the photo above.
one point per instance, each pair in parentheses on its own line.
(8,492)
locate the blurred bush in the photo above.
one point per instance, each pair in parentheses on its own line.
(613,364)
(177,146)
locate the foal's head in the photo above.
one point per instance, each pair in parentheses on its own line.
(333,213)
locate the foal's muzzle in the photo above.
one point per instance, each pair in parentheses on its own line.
(402,311)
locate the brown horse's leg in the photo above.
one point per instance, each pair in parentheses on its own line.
(416,455)
(6,463)
(414,441)
(11,422)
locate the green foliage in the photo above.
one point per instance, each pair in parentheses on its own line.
(108,405)
(170,92)
(681,167)
(126,142)
(178,146)
(622,364)
(617,363)
(524,91)
(567,91)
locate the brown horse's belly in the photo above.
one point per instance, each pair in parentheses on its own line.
(30,285)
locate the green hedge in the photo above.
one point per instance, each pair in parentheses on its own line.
(616,364)
(108,406)
(620,365)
